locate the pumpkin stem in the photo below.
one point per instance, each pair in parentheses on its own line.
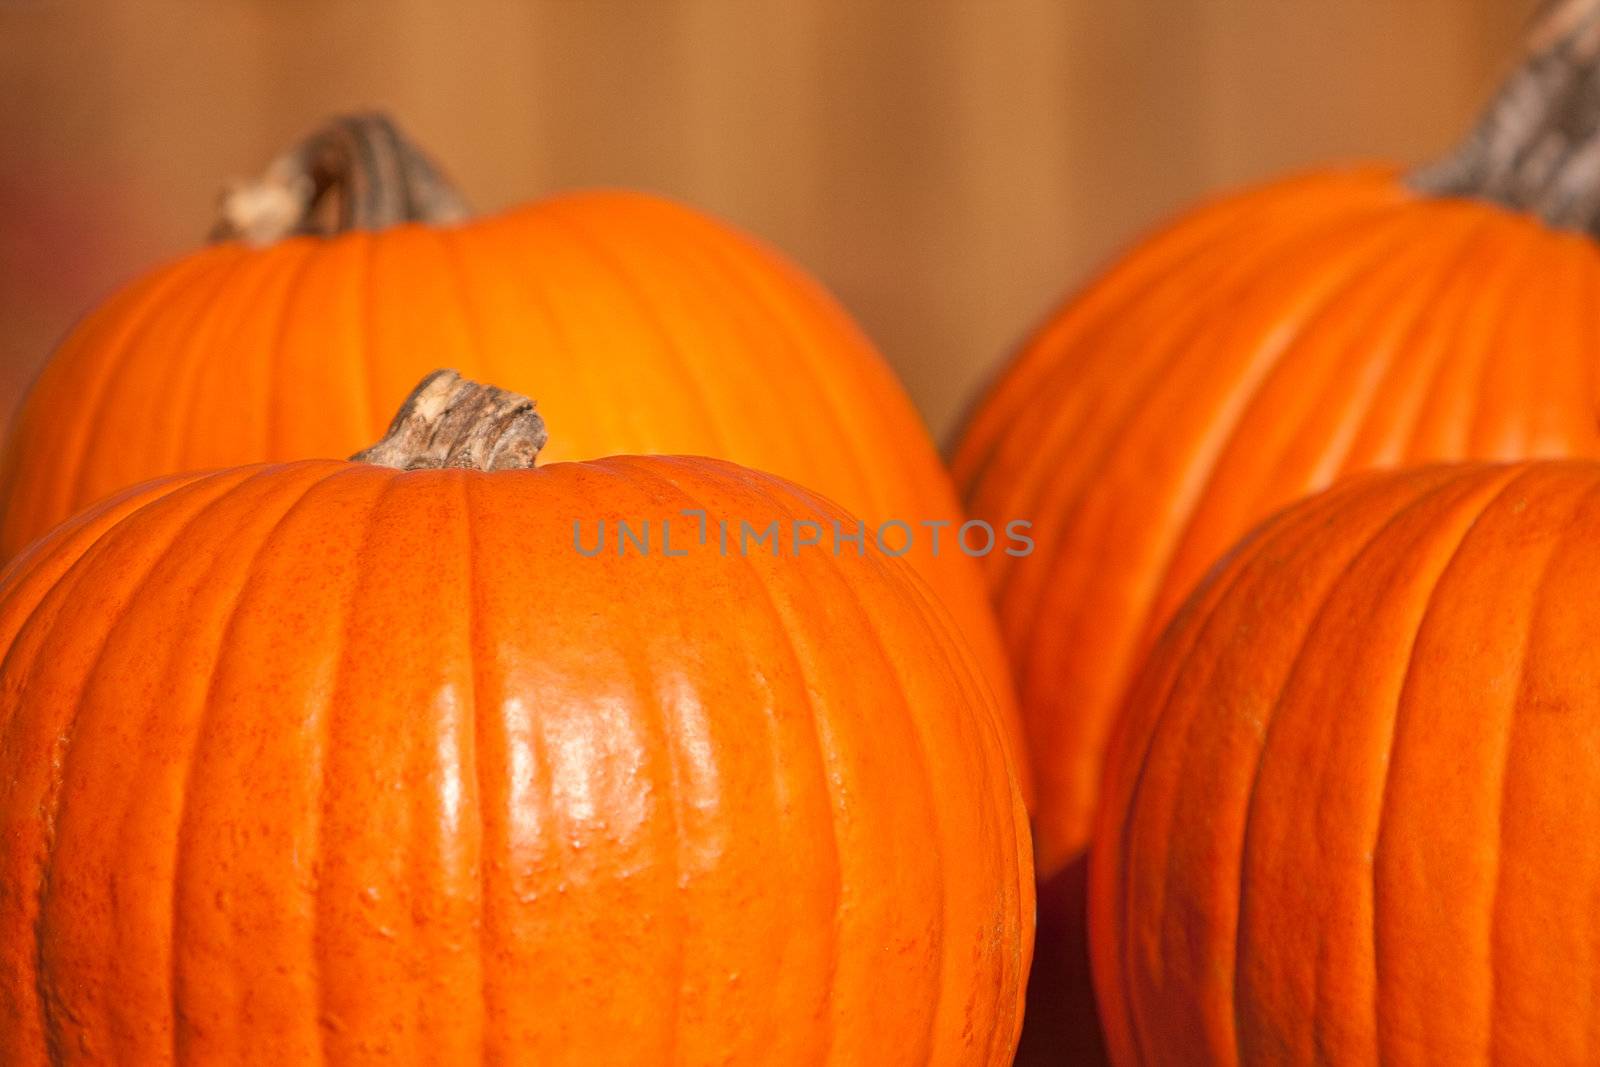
(1537,146)
(448,421)
(356,173)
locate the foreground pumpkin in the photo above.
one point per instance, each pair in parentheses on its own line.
(1349,813)
(350,270)
(1253,351)
(335,762)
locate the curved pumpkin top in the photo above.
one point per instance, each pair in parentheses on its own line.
(1350,806)
(384,747)
(639,325)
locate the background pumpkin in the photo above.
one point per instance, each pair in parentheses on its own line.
(330,761)
(639,324)
(1349,813)
(1251,352)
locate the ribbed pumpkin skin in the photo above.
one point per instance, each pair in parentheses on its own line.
(639,326)
(1249,354)
(1348,813)
(326,762)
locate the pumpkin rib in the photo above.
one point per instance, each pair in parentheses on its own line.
(294,284)
(1048,581)
(1186,672)
(1110,873)
(66,746)
(608,260)
(1038,431)
(1339,302)
(697,259)
(1316,347)
(191,360)
(1445,495)
(1512,480)
(827,766)
(824,751)
(40,618)
(873,376)
(363,365)
(998,745)
(204,721)
(1514,714)
(796,506)
(1498,304)
(321,965)
(1040,438)
(1259,238)
(476,612)
(1040,483)
(1431,330)
(828,407)
(176,284)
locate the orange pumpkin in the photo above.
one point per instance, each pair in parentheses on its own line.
(639,325)
(1252,352)
(332,762)
(1349,813)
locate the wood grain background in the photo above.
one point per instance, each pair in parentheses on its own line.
(950,167)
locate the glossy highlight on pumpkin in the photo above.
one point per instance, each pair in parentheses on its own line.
(330,762)
(1347,814)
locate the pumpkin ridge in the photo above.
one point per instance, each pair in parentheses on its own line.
(1310,345)
(1009,788)
(608,260)
(1437,293)
(1118,1013)
(1389,244)
(1182,669)
(319,963)
(53,596)
(1509,477)
(245,567)
(293,289)
(1506,307)
(190,366)
(52,1002)
(149,310)
(868,501)
(1448,495)
(825,752)
(1037,482)
(1547,574)
(1065,497)
(476,612)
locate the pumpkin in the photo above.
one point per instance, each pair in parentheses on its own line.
(350,270)
(335,761)
(1249,353)
(1349,812)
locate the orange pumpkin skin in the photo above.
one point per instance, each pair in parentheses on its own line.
(1347,814)
(327,762)
(638,325)
(1251,353)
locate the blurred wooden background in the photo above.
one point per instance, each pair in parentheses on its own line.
(949,167)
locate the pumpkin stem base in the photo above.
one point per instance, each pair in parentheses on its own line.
(1537,147)
(356,173)
(448,421)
